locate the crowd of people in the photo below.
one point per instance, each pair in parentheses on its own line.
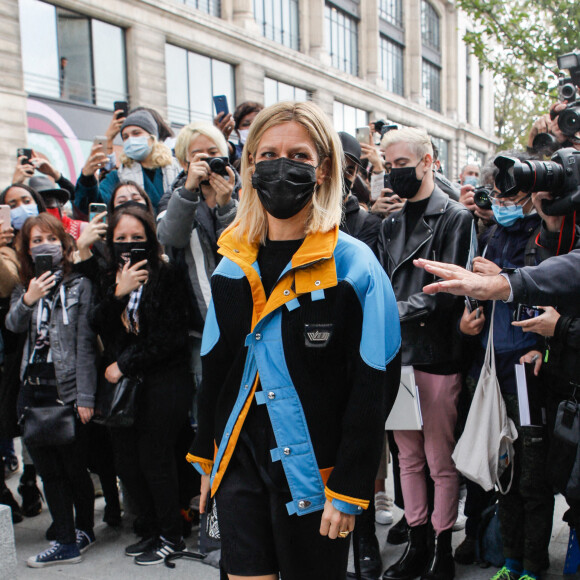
(261,285)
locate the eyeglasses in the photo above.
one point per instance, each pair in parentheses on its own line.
(508,202)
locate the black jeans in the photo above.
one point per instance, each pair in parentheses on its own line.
(145,453)
(63,469)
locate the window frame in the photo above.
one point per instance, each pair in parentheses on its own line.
(349,35)
(286,7)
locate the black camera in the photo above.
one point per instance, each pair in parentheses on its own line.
(482,197)
(390,127)
(569,118)
(560,176)
(218,165)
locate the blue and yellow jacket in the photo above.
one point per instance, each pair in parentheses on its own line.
(320,353)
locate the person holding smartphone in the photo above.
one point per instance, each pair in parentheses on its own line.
(143,324)
(58,364)
(145,160)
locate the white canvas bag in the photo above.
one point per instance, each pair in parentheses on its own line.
(486,448)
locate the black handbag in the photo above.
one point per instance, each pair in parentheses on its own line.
(117,403)
(53,425)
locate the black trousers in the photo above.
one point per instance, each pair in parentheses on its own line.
(258,536)
(145,453)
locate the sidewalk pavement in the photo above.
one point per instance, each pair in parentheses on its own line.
(106,560)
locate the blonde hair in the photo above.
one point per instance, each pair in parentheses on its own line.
(326,209)
(160,155)
(418,140)
(193,131)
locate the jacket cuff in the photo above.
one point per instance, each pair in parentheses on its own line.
(346,504)
(224,209)
(87,180)
(84,400)
(561,329)
(201,465)
(188,195)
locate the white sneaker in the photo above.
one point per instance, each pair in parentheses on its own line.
(461,517)
(383,507)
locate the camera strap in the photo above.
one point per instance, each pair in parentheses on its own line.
(567,234)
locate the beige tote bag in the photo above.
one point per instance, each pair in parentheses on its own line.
(485,449)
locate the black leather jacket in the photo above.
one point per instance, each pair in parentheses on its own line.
(428,322)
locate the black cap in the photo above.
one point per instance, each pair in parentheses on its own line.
(47,189)
(351,147)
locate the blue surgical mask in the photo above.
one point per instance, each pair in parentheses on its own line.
(20,214)
(470,180)
(507,216)
(137,148)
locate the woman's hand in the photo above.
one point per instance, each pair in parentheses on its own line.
(114,128)
(334,521)
(130,278)
(225,123)
(373,154)
(545,324)
(44,166)
(222,187)
(39,288)
(95,230)
(6,235)
(205,488)
(85,414)
(533,357)
(96,160)
(22,172)
(472,323)
(197,172)
(113,373)
(485,267)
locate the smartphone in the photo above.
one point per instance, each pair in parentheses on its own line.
(363,135)
(23,151)
(121,106)
(42,264)
(137,255)
(221,105)
(471,304)
(5,216)
(525,312)
(100,140)
(95,209)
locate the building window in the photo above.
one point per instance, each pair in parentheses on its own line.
(481,96)
(276,91)
(70,56)
(475,157)
(212,7)
(391,65)
(392,12)
(341,39)
(278,21)
(443,148)
(192,80)
(431,47)
(467,84)
(347,118)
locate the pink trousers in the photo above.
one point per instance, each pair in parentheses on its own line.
(438,395)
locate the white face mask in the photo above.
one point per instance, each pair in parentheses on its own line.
(243,133)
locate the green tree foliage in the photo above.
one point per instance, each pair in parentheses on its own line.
(519,40)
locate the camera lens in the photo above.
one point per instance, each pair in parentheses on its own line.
(217,165)
(569,120)
(547,176)
(568,92)
(482,197)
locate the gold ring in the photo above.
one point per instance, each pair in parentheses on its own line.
(343,534)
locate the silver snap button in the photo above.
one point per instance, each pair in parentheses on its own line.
(286,292)
(421,324)
(246,386)
(237,251)
(317,283)
(286,450)
(304,503)
(271,395)
(258,336)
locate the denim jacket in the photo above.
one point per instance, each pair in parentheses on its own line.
(72,342)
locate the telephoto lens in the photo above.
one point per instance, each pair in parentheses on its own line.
(482,197)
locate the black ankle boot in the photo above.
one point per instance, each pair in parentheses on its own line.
(414,560)
(31,497)
(369,553)
(441,565)
(399,532)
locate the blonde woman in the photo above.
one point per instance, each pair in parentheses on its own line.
(145,161)
(299,359)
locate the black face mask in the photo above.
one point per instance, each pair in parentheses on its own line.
(404,181)
(346,187)
(130,203)
(123,251)
(284,186)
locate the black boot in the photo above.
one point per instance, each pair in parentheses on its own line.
(31,498)
(369,554)
(7,498)
(442,565)
(399,533)
(414,560)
